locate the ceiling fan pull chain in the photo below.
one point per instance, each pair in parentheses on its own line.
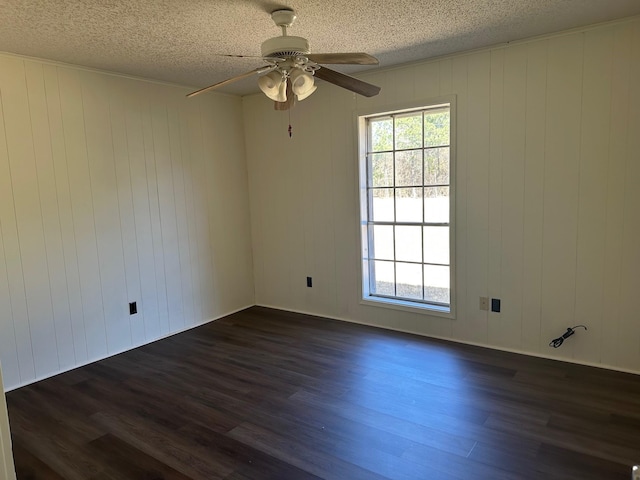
(289,129)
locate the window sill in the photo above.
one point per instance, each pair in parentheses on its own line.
(406,306)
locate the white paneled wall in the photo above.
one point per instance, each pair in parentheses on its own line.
(547,201)
(114,190)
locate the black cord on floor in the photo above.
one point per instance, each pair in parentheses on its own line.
(556,342)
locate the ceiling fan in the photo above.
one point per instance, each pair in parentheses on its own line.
(290,67)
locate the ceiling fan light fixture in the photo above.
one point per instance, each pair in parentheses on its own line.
(290,57)
(270,84)
(302,83)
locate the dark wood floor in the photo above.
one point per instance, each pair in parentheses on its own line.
(264,394)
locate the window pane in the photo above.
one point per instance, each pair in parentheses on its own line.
(409,280)
(409,205)
(436,204)
(436,245)
(381,242)
(409,243)
(409,168)
(436,127)
(381,134)
(405,226)
(380,170)
(408,131)
(381,204)
(436,284)
(382,278)
(436,166)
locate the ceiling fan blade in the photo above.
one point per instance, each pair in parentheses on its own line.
(230,80)
(355,58)
(348,82)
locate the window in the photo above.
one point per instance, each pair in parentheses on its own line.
(405,185)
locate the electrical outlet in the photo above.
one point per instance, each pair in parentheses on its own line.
(133,308)
(309,282)
(495,305)
(484,303)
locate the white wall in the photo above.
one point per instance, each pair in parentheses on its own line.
(548,195)
(113,190)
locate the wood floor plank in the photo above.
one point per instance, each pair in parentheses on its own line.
(31,467)
(252,464)
(163,444)
(130,462)
(573,464)
(425,435)
(270,395)
(68,459)
(297,453)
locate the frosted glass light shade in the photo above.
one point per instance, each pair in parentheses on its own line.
(274,86)
(302,83)
(307,93)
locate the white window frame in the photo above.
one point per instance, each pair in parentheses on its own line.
(363,265)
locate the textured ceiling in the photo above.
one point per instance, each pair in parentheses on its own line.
(176,40)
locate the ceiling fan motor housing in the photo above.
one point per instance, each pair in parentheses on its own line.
(285,46)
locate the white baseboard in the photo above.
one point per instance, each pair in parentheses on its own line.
(464,342)
(421,334)
(118,352)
